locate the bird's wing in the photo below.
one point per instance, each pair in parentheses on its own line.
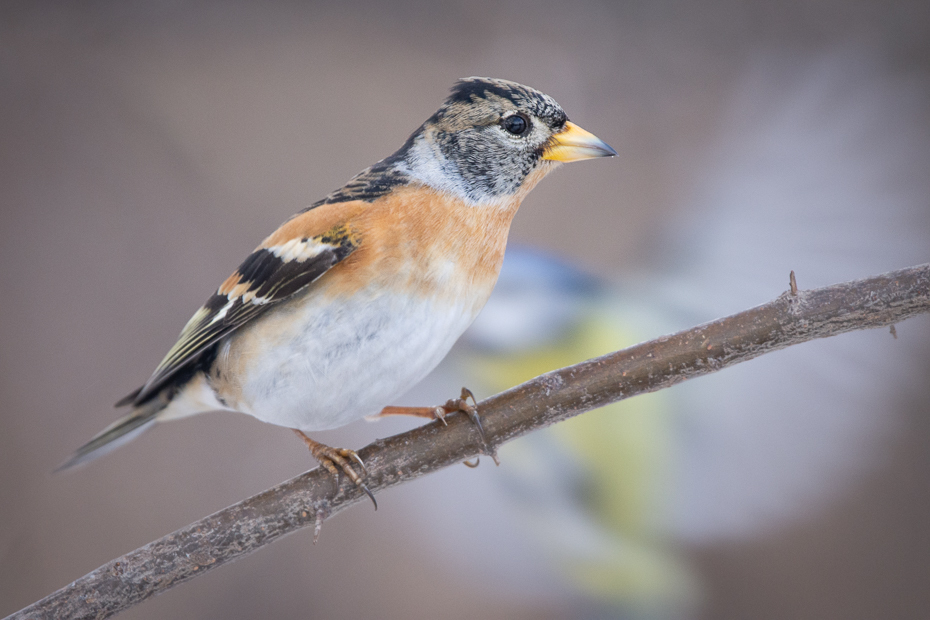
(293,257)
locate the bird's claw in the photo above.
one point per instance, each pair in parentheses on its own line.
(439,413)
(331,458)
(471,410)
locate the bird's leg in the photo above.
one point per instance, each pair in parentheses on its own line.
(329,458)
(430,413)
(440,412)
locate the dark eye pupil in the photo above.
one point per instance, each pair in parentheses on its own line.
(515,124)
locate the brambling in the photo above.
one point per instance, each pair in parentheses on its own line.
(356,298)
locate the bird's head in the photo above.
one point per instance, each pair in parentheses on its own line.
(491,136)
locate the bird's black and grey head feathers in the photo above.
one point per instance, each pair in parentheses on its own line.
(484,141)
(480,145)
(476,98)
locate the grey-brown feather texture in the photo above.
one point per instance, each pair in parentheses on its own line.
(369,184)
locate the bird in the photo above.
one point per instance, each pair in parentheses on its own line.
(355,299)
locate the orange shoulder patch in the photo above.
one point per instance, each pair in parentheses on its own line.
(316,222)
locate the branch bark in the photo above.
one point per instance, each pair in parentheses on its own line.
(309,499)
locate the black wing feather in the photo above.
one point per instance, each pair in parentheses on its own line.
(269,281)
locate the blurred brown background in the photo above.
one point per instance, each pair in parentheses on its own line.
(146,147)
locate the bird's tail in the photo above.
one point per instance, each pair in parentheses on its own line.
(122,431)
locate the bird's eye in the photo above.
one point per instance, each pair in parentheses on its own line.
(516,124)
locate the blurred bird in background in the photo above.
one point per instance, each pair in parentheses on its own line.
(806,174)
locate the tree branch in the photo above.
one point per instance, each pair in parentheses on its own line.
(309,499)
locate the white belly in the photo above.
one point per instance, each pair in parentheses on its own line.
(317,365)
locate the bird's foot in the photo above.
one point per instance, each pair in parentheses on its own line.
(331,458)
(440,412)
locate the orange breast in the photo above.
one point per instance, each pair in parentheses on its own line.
(422,243)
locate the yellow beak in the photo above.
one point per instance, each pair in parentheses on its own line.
(574,143)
